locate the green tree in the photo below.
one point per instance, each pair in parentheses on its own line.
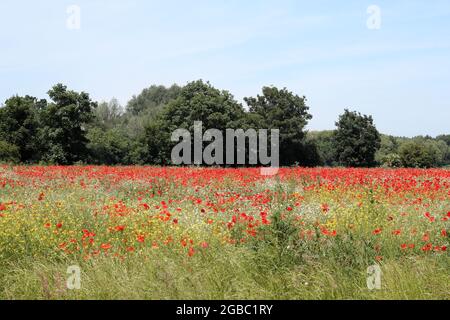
(356,140)
(9,152)
(154,146)
(415,154)
(391,160)
(64,125)
(445,138)
(325,146)
(142,118)
(110,147)
(108,114)
(152,100)
(19,125)
(441,152)
(200,101)
(283,110)
(389,146)
(197,101)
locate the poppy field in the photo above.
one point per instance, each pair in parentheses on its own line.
(212,233)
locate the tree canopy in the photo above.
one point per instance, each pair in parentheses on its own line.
(69,127)
(283,110)
(63,125)
(356,140)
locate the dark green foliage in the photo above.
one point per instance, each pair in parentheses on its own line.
(197,101)
(142,123)
(445,138)
(422,153)
(109,146)
(414,154)
(19,124)
(281,109)
(356,140)
(154,146)
(324,142)
(109,142)
(72,128)
(152,100)
(9,152)
(200,101)
(64,123)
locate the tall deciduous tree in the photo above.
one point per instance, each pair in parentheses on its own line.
(356,140)
(283,110)
(151,100)
(19,125)
(197,101)
(200,101)
(64,125)
(108,114)
(415,154)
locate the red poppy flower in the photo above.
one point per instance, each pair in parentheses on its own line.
(377,231)
(105,246)
(264,218)
(204,245)
(429,217)
(119,228)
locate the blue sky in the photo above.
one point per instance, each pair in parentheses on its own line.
(324,50)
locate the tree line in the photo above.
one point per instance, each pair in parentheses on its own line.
(71,128)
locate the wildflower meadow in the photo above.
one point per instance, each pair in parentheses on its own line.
(99,232)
